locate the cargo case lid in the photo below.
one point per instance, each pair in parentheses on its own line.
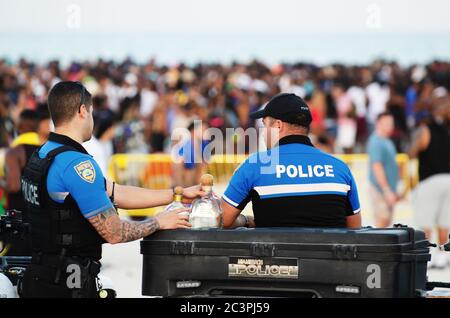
(285,241)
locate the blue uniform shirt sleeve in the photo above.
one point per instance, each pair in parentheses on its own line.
(84,180)
(353,196)
(238,190)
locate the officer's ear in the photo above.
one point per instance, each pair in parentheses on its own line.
(279,124)
(84,111)
(276,123)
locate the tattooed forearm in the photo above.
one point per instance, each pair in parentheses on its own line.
(114,230)
(136,230)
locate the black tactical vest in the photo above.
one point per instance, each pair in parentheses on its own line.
(55,226)
(15,199)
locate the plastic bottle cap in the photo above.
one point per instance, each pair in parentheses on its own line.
(207,180)
(178,190)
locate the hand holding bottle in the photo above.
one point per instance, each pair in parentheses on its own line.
(176,203)
(174,219)
(191,193)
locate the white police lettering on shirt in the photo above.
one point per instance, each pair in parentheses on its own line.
(309,171)
(30,192)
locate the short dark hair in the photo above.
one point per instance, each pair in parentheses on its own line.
(65,99)
(383,114)
(103,123)
(28,121)
(295,121)
(29,114)
(42,110)
(299,120)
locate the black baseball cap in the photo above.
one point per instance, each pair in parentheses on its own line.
(286,107)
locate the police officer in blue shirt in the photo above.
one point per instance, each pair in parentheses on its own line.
(292,184)
(72,207)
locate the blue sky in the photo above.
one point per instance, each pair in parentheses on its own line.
(206,16)
(322,31)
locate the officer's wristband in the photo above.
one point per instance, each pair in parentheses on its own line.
(112,193)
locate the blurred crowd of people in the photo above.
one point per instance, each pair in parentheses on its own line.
(374,108)
(138,106)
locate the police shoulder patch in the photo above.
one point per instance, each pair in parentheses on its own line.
(86,171)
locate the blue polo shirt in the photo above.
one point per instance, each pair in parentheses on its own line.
(75,173)
(295,184)
(383,150)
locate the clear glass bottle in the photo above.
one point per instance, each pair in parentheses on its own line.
(206,211)
(176,204)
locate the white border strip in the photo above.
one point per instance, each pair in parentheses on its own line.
(302,188)
(227,199)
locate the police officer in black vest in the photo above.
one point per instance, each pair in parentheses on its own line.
(72,207)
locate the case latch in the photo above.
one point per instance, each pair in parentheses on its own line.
(261,249)
(182,248)
(345,251)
